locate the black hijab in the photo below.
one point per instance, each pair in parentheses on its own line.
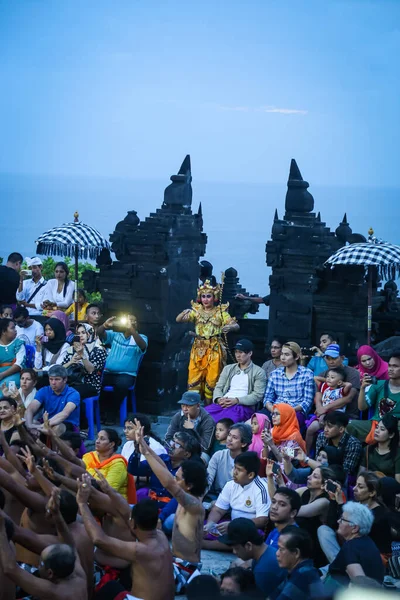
(54,345)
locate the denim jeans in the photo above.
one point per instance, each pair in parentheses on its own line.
(328,542)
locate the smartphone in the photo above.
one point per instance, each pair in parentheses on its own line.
(214,531)
(168,447)
(276,468)
(76,340)
(44,339)
(267,425)
(290,452)
(331,486)
(397,502)
(12,386)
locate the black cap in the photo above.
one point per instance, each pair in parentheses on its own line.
(244,346)
(241,531)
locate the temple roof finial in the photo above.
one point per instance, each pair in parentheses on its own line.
(185,166)
(294,173)
(298,199)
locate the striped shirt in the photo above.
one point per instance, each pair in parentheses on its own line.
(249,501)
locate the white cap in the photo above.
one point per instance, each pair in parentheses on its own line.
(33,262)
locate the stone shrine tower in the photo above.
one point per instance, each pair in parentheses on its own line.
(307,299)
(156,272)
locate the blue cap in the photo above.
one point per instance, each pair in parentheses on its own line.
(333,350)
(190,398)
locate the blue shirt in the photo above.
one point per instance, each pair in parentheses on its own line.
(298,391)
(125,355)
(317,364)
(55,403)
(266,571)
(272,539)
(302,583)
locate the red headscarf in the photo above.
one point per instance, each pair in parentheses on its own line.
(380,368)
(257,444)
(288,429)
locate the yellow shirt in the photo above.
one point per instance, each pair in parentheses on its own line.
(81,312)
(114,471)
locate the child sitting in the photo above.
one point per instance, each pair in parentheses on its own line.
(258,423)
(331,396)
(221,434)
(82,306)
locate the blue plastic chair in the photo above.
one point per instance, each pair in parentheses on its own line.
(30,356)
(123,409)
(92,408)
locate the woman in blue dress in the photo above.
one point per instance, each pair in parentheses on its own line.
(12,354)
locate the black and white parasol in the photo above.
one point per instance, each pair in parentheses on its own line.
(374,253)
(76,240)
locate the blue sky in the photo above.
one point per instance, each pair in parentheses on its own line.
(102,99)
(126,88)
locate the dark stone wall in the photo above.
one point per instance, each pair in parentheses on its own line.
(155,277)
(307,299)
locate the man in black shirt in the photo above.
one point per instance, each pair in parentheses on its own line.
(358,556)
(9,279)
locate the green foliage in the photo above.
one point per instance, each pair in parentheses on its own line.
(48,273)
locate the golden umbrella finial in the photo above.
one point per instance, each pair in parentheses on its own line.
(76,217)
(370,231)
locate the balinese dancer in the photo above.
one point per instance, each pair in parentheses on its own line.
(208,354)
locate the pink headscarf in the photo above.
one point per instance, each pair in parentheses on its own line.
(256,442)
(61,316)
(379,370)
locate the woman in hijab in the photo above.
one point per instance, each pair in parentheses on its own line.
(285,436)
(52,347)
(370,364)
(61,316)
(258,422)
(85,362)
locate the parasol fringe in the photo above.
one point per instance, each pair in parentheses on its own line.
(59,249)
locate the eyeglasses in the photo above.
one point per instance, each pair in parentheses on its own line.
(345,520)
(175,444)
(206,295)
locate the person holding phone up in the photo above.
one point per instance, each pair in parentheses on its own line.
(285,434)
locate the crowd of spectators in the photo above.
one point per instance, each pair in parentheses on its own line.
(294,467)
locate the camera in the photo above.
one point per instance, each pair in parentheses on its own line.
(374,380)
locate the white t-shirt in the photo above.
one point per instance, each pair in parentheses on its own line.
(249,501)
(47,355)
(27,399)
(239,386)
(129,447)
(51,293)
(30,332)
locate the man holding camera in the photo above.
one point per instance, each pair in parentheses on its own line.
(30,291)
(127,347)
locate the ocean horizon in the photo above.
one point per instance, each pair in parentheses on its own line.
(237,216)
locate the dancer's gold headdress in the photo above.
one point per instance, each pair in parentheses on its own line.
(208,288)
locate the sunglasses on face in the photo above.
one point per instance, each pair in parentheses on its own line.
(206,296)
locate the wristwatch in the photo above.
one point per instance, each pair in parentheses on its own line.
(306,460)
